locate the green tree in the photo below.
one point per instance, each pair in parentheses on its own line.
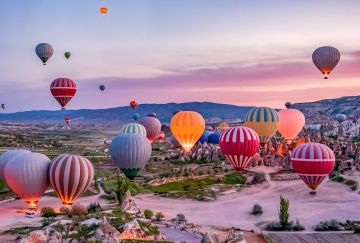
(284,212)
(121,188)
(148,213)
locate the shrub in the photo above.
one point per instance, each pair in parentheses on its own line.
(94,207)
(48,212)
(256,210)
(297,226)
(159,216)
(234,178)
(64,210)
(148,213)
(284,212)
(328,225)
(274,226)
(259,178)
(78,210)
(181,217)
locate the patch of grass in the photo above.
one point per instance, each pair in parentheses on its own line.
(184,185)
(134,187)
(234,179)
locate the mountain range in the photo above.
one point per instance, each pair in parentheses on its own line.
(328,107)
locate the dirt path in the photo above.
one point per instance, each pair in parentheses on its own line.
(254,238)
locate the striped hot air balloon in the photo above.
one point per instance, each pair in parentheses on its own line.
(325,59)
(152,126)
(70,176)
(239,145)
(291,123)
(7,156)
(44,51)
(26,175)
(187,127)
(130,152)
(63,90)
(133,128)
(264,121)
(313,162)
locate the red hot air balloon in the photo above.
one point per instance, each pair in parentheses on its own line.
(133,104)
(239,145)
(70,176)
(152,126)
(68,120)
(313,162)
(63,89)
(161,137)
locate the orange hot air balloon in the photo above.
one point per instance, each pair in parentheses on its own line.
(187,127)
(291,123)
(103,10)
(133,104)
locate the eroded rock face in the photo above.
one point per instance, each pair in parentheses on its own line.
(48,235)
(129,206)
(210,238)
(107,233)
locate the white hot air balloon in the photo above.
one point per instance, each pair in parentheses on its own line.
(8,155)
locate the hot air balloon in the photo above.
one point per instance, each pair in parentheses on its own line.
(133,104)
(102,88)
(209,128)
(223,126)
(264,121)
(134,128)
(70,176)
(214,138)
(176,112)
(239,145)
(313,162)
(187,127)
(44,51)
(152,125)
(67,120)
(291,123)
(67,54)
(26,175)
(3,106)
(204,137)
(63,89)
(7,156)
(340,117)
(325,59)
(136,116)
(103,10)
(174,142)
(130,152)
(161,137)
(288,105)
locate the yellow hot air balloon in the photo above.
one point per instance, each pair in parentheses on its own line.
(291,123)
(187,127)
(265,122)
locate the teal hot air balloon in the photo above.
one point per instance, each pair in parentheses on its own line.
(340,117)
(136,116)
(44,51)
(134,128)
(130,152)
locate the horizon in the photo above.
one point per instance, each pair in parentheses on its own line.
(176,52)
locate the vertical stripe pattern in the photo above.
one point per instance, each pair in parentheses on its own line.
(187,127)
(264,121)
(239,144)
(70,176)
(152,126)
(63,90)
(326,58)
(44,51)
(7,156)
(133,128)
(313,162)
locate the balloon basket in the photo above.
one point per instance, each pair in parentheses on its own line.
(313,193)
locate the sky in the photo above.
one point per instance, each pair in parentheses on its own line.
(159,51)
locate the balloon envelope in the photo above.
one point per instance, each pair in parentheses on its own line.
(130,152)
(26,175)
(152,126)
(291,123)
(67,54)
(103,10)
(63,90)
(214,138)
(68,120)
(239,145)
(7,156)
(133,128)
(313,162)
(340,117)
(136,116)
(264,121)
(102,87)
(187,127)
(3,106)
(44,51)
(70,176)
(205,136)
(133,104)
(325,59)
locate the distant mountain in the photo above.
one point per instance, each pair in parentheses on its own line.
(349,105)
(124,114)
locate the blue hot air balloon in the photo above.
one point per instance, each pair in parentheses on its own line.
(102,87)
(130,152)
(340,117)
(134,128)
(136,116)
(44,51)
(214,138)
(204,137)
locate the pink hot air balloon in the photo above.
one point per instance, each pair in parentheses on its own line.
(291,123)
(67,120)
(152,126)
(239,144)
(26,175)
(313,162)
(161,137)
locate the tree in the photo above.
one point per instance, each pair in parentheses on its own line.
(256,210)
(148,213)
(121,188)
(159,216)
(284,212)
